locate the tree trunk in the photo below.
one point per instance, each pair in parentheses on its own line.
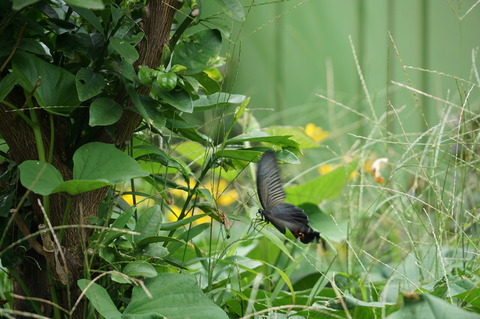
(34,271)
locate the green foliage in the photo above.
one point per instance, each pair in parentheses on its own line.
(176,236)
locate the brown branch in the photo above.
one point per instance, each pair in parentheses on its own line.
(20,36)
(26,232)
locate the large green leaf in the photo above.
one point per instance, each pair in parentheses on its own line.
(426,306)
(88,83)
(42,178)
(100,161)
(175,296)
(323,187)
(100,299)
(57,86)
(94,165)
(104,111)
(199,51)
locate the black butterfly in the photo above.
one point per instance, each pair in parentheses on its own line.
(271,195)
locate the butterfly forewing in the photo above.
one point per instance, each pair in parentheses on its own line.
(270,191)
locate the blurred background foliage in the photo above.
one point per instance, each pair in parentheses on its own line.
(289,52)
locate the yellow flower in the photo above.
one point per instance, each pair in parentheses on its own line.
(326,168)
(219,191)
(316,132)
(140,200)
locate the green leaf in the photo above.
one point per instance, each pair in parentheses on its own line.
(88,83)
(154,154)
(219,99)
(233,8)
(74,187)
(243,155)
(100,299)
(175,296)
(260,136)
(90,17)
(89,4)
(426,306)
(149,223)
(19,4)
(139,268)
(6,85)
(40,177)
(125,49)
(326,186)
(296,134)
(137,101)
(179,99)
(120,222)
(104,111)
(57,86)
(94,165)
(199,52)
(101,161)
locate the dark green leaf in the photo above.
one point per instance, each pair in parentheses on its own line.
(179,99)
(57,86)
(120,222)
(104,111)
(125,49)
(175,296)
(88,83)
(149,223)
(7,84)
(199,51)
(90,17)
(89,4)
(19,4)
(99,298)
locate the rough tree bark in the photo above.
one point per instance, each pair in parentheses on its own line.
(157,21)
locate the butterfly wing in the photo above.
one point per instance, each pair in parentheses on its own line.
(294,218)
(269,185)
(271,195)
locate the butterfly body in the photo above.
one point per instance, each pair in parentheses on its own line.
(274,210)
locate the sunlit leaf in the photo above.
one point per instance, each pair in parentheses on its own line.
(321,188)
(175,296)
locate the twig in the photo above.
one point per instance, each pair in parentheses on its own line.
(20,36)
